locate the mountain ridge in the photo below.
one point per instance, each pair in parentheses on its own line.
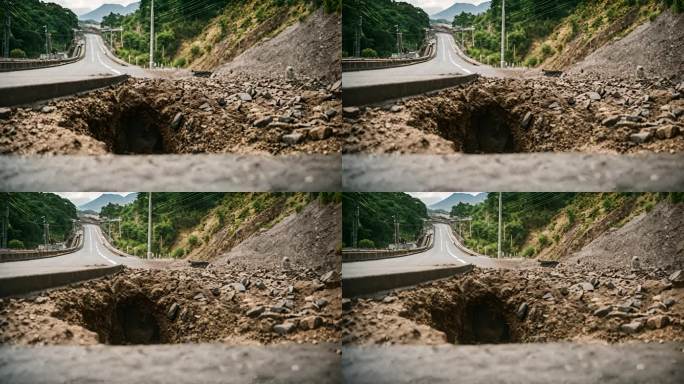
(457,8)
(105,9)
(456,198)
(106,198)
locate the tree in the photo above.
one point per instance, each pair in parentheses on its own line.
(366,244)
(15,244)
(369,53)
(17,53)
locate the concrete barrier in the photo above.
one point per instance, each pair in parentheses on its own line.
(364,285)
(349,256)
(20,285)
(370,94)
(356,65)
(20,95)
(9,65)
(14,256)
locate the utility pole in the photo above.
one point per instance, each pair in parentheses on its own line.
(357,40)
(355,228)
(151,45)
(503,31)
(5,221)
(45,238)
(47,52)
(398,41)
(498,253)
(8,24)
(149,225)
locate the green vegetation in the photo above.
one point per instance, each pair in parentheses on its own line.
(534,222)
(538,29)
(379,20)
(25,218)
(376,211)
(183,222)
(28,19)
(185,31)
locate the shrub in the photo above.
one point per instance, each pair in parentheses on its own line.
(369,52)
(15,244)
(529,252)
(180,62)
(17,53)
(366,243)
(195,50)
(178,253)
(193,241)
(547,50)
(543,241)
(532,61)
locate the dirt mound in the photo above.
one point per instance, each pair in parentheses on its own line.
(588,114)
(656,238)
(236,114)
(217,304)
(309,239)
(310,47)
(533,305)
(656,46)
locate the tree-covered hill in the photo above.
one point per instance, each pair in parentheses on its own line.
(178,217)
(380,17)
(376,211)
(28,17)
(25,218)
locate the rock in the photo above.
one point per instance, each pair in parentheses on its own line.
(320,133)
(667,132)
(677,278)
(632,327)
(5,113)
(255,311)
(48,109)
(310,322)
(198,296)
(329,277)
(320,303)
(594,96)
(336,86)
(173,311)
(290,73)
(635,263)
(330,113)
(239,287)
(554,105)
(522,311)
(595,282)
(346,304)
(527,120)
(41,299)
(603,311)
(641,137)
(640,72)
(286,119)
(215,291)
(205,107)
(669,302)
(260,123)
(221,102)
(389,299)
(177,121)
(279,309)
(293,138)
(609,284)
(245,96)
(586,286)
(284,328)
(657,322)
(351,112)
(548,296)
(610,121)
(396,108)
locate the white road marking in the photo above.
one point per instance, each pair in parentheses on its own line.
(451,58)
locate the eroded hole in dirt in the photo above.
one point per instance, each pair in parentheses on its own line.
(479,319)
(136,128)
(482,128)
(129,321)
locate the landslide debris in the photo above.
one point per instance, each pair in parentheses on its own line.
(566,114)
(180,305)
(567,303)
(224,114)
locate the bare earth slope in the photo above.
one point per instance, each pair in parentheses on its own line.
(656,238)
(310,47)
(657,46)
(308,238)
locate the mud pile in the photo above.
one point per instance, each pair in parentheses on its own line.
(567,114)
(184,305)
(531,305)
(226,114)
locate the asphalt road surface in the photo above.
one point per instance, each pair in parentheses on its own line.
(444,253)
(96,63)
(446,63)
(93,255)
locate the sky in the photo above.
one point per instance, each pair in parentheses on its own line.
(430,198)
(433,6)
(89,4)
(80,198)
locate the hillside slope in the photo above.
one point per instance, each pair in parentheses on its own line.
(310,47)
(662,38)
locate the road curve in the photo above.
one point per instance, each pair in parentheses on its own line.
(444,253)
(93,255)
(446,63)
(96,63)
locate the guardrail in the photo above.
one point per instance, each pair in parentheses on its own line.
(378,254)
(26,94)
(355,65)
(107,243)
(24,255)
(23,65)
